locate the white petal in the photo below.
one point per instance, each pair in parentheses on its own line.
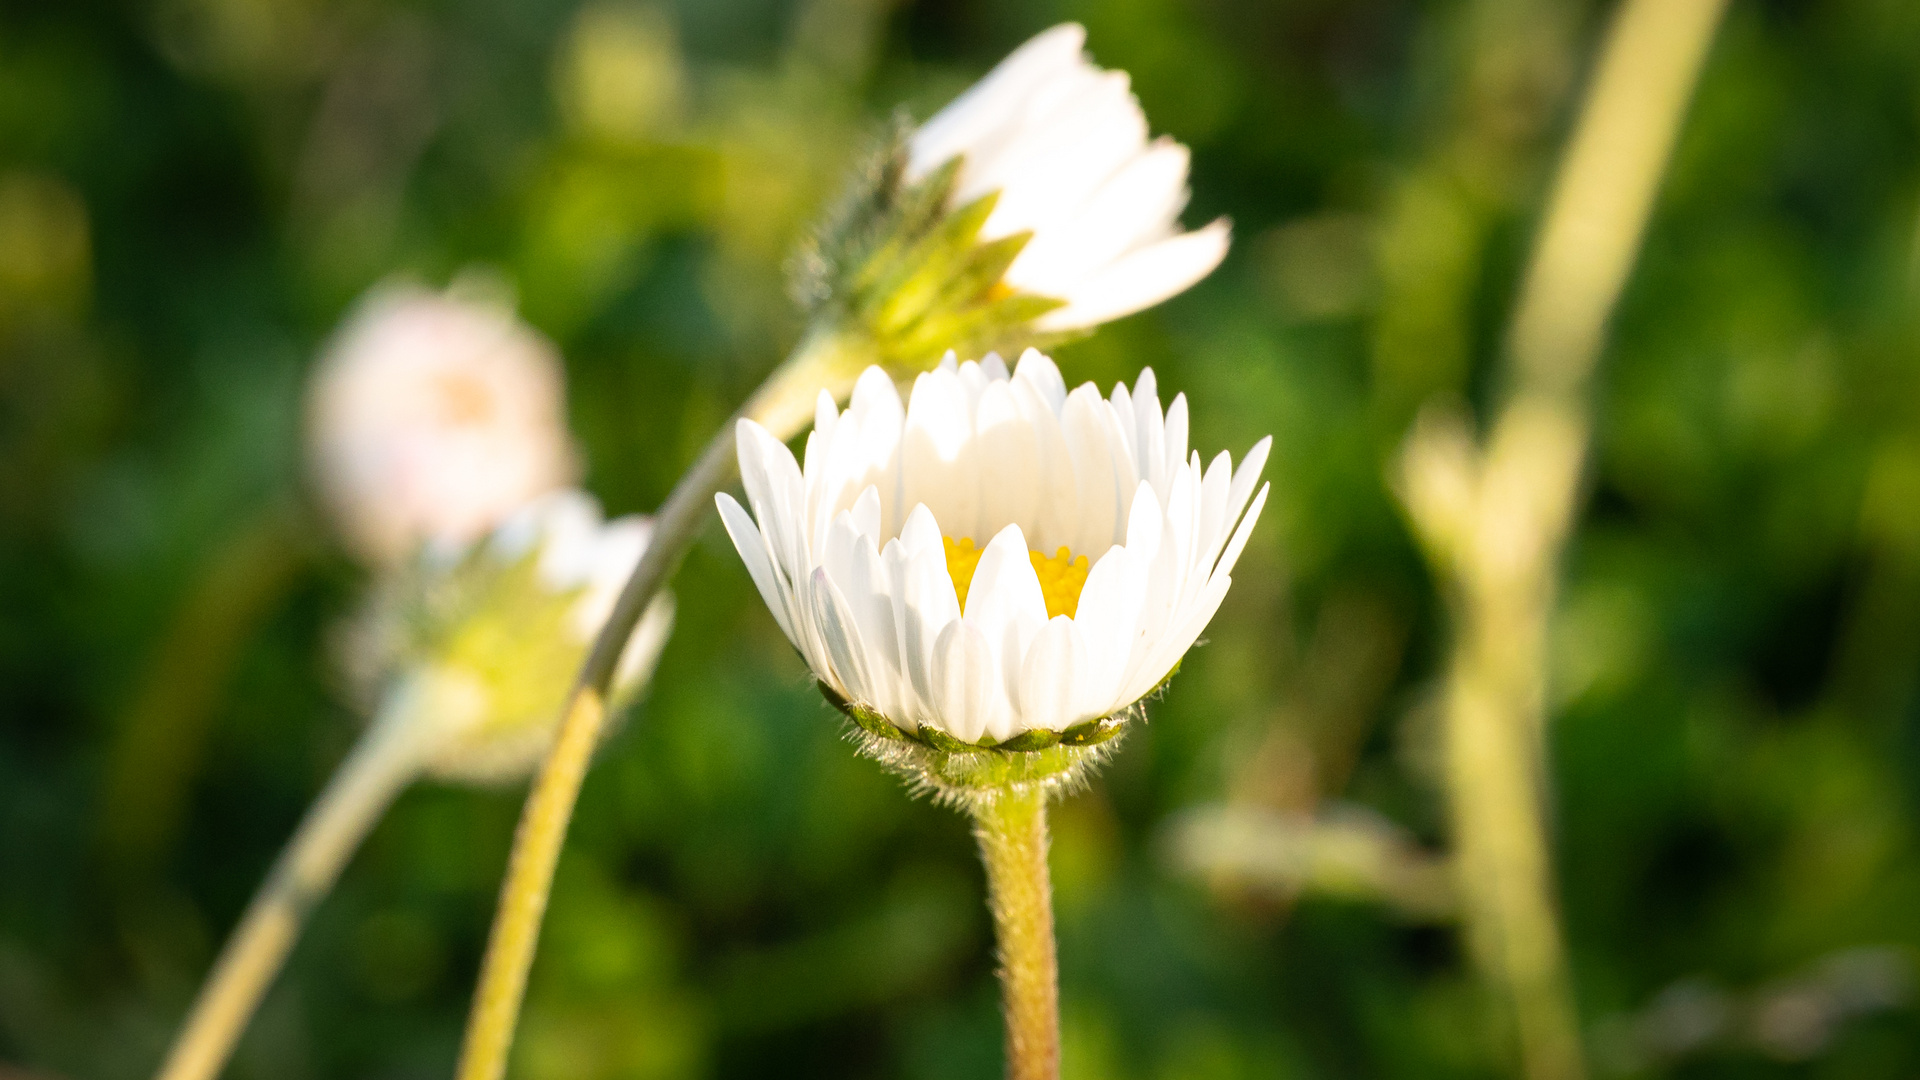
(865,514)
(1141,279)
(1214,489)
(939,428)
(922,533)
(753,551)
(1050,172)
(1005,602)
(1140,202)
(776,492)
(1180,638)
(868,594)
(966,693)
(1057,519)
(1109,622)
(988,103)
(1240,535)
(1176,439)
(1038,370)
(1086,423)
(1006,463)
(840,632)
(1150,431)
(1249,473)
(1049,677)
(927,606)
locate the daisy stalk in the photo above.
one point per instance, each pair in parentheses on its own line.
(1495,518)
(459,698)
(995,676)
(433,417)
(1032,208)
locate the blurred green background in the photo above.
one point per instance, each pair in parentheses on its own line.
(192,192)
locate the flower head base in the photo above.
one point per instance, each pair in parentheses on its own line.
(433,416)
(1032,207)
(868,560)
(482,641)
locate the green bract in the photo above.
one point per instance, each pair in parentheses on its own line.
(894,262)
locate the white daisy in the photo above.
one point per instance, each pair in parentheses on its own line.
(1107,548)
(1065,145)
(431,418)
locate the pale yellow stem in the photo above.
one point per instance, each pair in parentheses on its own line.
(1496,519)
(523,895)
(1012,830)
(783,404)
(386,759)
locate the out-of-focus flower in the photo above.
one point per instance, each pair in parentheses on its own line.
(482,641)
(431,417)
(1033,206)
(1108,551)
(1062,147)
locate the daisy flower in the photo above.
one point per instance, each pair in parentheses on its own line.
(1061,148)
(431,418)
(1032,207)
(999,563)
(481,641)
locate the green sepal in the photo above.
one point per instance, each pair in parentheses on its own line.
(935,739)
(907,284)
(986,325)
(896,264)
(1091,733)
(1086,733)
(870,721)
(1029,741)
(986,264)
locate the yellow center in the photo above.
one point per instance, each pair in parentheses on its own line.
(464,400)
(1062,574)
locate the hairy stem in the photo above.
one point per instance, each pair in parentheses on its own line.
(386,759)
(1012,830)
(784,403)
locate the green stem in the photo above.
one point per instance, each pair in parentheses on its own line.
(1011,827)
(1503,560)
(784,404)
(385,760)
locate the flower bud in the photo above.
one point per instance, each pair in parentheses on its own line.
(482,642)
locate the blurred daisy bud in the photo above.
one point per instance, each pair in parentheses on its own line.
(991,579)
(431,417)
(1032,206)
(482,642)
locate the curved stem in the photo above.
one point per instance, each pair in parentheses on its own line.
(385,760)
(784,403)
(1012,831)
(523,895)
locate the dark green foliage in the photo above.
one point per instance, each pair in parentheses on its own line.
(192,193)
